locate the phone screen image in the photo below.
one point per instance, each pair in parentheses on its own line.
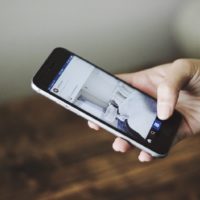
(107,98)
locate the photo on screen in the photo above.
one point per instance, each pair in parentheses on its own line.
(105,97)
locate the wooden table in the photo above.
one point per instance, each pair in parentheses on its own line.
(48,153)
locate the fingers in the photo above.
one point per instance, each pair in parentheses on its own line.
(168,81)
(121,145)
(167,98)
(145,157)
(93,126)
(177,76)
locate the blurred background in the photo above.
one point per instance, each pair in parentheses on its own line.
(43,153)
(119,36)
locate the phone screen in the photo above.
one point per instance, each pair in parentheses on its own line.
(107,98)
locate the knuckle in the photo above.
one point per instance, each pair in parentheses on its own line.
(182,62)
(185,64)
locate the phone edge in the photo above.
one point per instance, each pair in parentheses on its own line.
(87,117)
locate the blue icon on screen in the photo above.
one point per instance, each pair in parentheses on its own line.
(157,124)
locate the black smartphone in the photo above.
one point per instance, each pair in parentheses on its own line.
(98,96)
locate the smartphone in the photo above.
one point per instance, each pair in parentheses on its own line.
(98,96)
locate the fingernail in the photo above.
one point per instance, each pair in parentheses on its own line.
(164,110)
(115,147)
(143,158)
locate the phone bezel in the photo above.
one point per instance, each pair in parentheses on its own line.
(55,62)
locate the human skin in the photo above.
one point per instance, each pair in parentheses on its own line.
(175,85)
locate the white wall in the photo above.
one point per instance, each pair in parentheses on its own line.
(116,34)
(101,86)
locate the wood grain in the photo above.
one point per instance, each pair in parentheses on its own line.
(48,153)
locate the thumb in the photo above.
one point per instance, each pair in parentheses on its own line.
(177,76)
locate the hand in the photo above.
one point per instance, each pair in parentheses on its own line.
(176,86)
